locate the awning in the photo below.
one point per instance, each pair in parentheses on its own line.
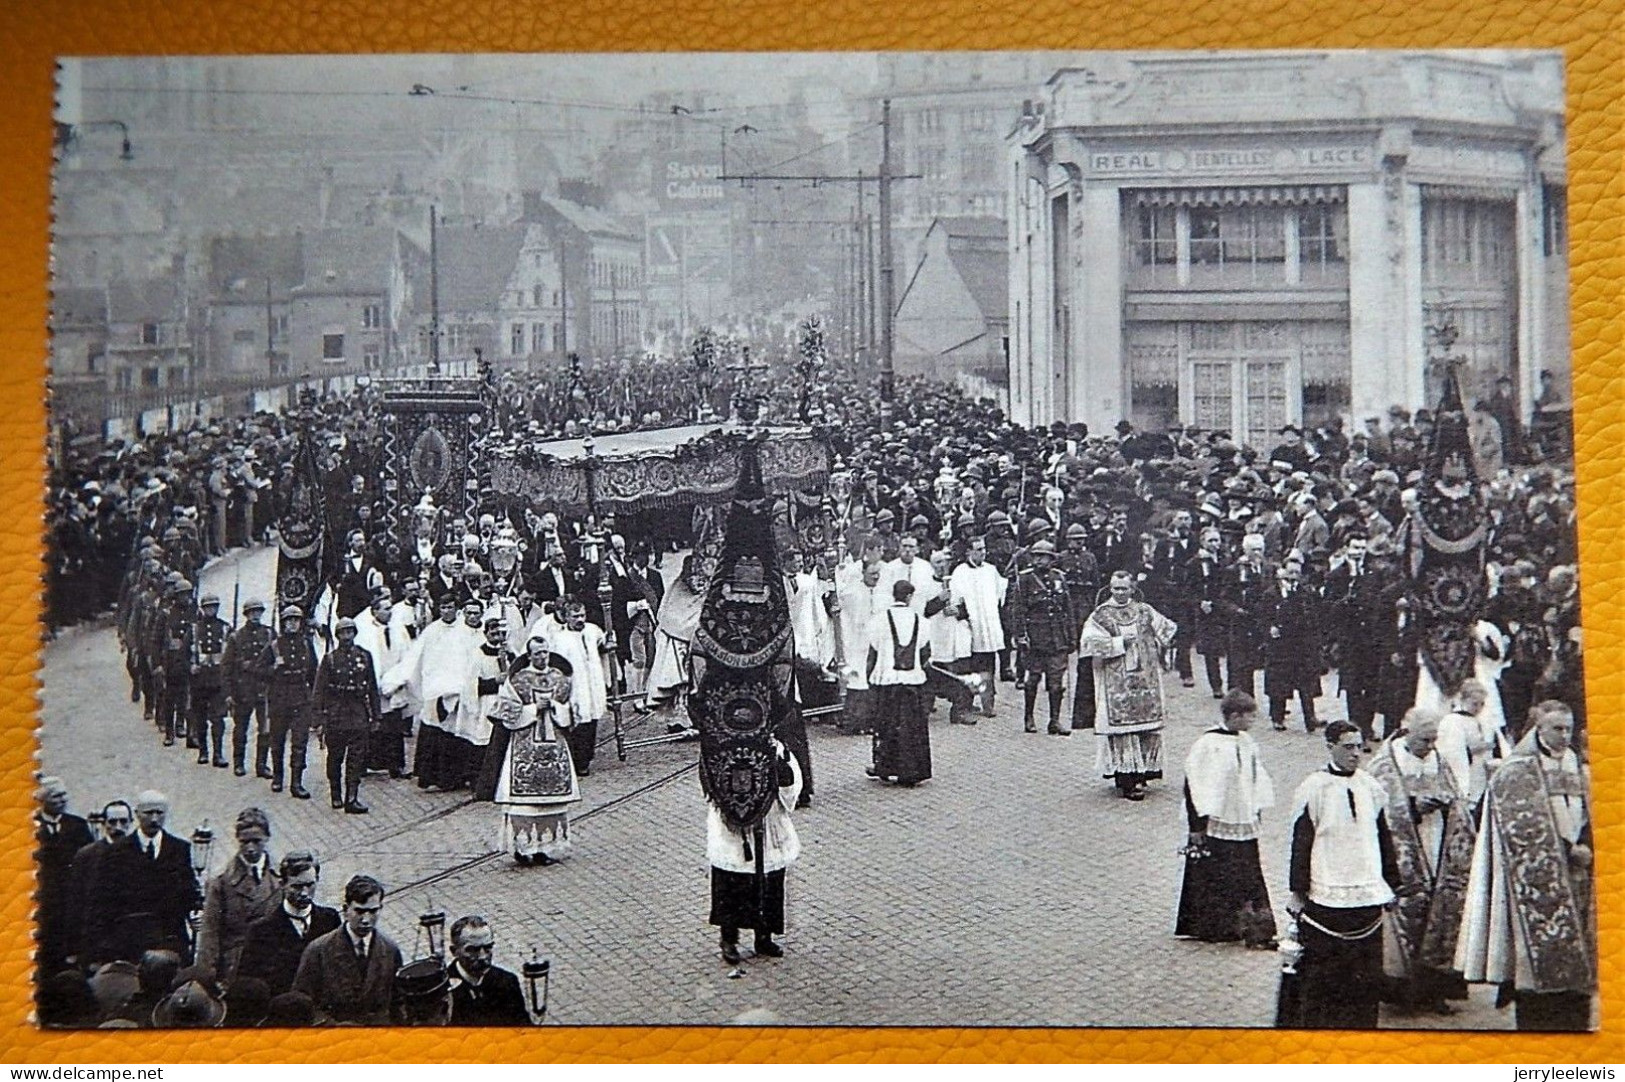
(1467,192)
(1199,311)
(1285,196)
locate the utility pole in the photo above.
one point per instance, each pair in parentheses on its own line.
(863,312)
(270,332)
(564,298)
(884,181)
(434,294)
(886,329)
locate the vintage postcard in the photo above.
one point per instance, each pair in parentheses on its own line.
(1063,539)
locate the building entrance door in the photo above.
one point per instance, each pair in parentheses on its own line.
(1249,397)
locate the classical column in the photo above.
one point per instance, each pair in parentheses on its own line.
(1386,345)
(1099,381)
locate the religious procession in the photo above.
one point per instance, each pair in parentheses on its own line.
(868,558)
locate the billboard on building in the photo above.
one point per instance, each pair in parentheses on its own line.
(688,183)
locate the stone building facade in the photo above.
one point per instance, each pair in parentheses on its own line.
(1242,241)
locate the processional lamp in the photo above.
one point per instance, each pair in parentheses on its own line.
(432,927)
(537,973)
(202,843)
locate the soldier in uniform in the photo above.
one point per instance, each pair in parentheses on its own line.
(346,710)
(173,647)
(1083,583)
(247,676)
(209,636)
(1045,625)
(290,660)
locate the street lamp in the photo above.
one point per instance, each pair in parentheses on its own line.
(537,973)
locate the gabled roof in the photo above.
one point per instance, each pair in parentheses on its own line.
(239,267)
(347,261)
(589,220)
(976,249)
(969,227)
(985,270)
(474,265)
(143,300)
(78,306)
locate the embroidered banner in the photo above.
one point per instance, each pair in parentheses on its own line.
(1555,927)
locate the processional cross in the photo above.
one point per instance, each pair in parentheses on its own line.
(747,399)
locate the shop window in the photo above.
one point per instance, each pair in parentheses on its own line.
(1237,235)
(1157,242)
(1555,219)
(1467,241)
(1322,235)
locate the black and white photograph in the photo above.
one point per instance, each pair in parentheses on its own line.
(1045,539)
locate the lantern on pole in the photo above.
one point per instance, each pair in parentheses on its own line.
(202,844)
(537,974)
(432,931)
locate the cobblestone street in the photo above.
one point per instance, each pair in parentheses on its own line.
(1014,888)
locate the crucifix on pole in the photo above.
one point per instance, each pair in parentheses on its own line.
(747,400)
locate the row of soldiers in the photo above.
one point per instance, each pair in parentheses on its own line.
(192,673)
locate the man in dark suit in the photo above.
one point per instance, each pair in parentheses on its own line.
(1167,587)
(555,582)
(1114,549)
(482,994)
(1355,598)
(1249,597)
(147,888)
(88,940)
(349,973)
(58,837)
(275,943)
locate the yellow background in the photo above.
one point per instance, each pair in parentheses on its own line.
(33,32)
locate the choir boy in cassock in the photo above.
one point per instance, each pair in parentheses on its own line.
(1342,877)
(978,591)
(1227,790)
